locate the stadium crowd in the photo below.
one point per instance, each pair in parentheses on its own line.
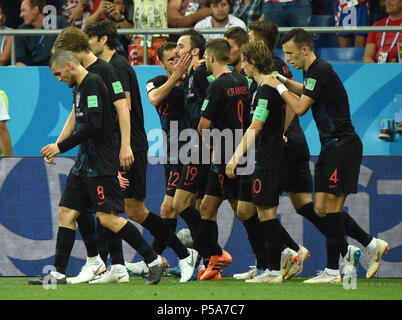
(146,14)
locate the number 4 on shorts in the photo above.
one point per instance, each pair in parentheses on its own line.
(334,177)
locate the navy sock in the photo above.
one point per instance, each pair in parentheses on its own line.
(272,232)
(160,246)
(64,246)
(133,237)
(103,248)
(308,212)
(115,246)
(336,227)
(87,227)
(161,230)
(254,233)
(354,231)
(192,217)
(208,242)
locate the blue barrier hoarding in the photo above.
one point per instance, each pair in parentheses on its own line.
(30,192)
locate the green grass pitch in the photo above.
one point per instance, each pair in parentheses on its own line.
(16,288)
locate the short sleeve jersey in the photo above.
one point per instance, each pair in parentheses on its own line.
(98,155)
(129,82)
(294,133)
(171,109)
(196,85)
(110,78)
(225,104)
(269,143)
(331,107)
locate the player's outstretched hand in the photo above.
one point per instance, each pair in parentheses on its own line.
(126,157)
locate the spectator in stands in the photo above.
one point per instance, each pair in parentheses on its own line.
(351,14)
(382,47)
(5,140)
(247,10)
(12,12)
(186,13)
(77,11)
(35,50)
(219,18)
(285,13)
(5,41)
(120,13)
(150,14)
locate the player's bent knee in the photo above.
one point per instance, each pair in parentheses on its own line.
(105,219)
(182,201)
(68,218)
(243,215)
(207,212)
(136,210)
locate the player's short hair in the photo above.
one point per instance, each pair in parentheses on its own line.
(266,31)
(103,28)
(197,40)
(258,54)
(72,39)
(37,3)
(238,34)
(61,57)
(166,46)
(299,36)
(220,48)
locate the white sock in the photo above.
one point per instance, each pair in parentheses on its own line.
(155,262)
(372,246)
(331,272)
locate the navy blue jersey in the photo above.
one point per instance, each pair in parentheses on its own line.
(269,143)
(171,109)
(294,133)
(128,79)
(97,155)
(112,81)
(225,105)
(330,110)
(196,85)
(110,77)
